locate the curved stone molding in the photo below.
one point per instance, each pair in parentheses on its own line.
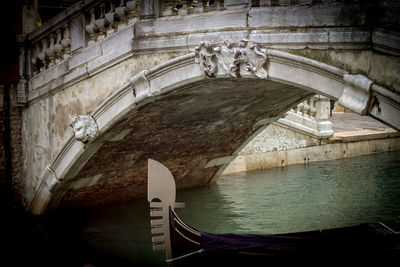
(385,106)
(43,193)
(181,72)
(356,93)
(85,128)
(237,60)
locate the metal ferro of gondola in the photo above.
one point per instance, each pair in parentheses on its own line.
(161,196)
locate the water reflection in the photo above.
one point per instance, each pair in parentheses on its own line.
(299,198)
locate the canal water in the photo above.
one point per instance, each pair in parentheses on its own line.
(318,195)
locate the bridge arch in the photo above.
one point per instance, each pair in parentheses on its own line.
(242,83)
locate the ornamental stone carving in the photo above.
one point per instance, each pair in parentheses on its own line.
(205,56)
(235,59)
(84,127)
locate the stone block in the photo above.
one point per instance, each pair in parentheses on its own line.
(77,32)
(112,43)
(290,40)
(346,36)
(84,56)
(357,148)
(386,42)
(49,74)
(107,60)
(75,74)
(194,22)
(304,16)
(237,165)
(166,43)
(148,8)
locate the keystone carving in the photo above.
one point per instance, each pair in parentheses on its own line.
(84,127)
(235,59)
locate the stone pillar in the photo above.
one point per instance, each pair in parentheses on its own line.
(77,32)
(323,115)
(310,117)
(148,9)
(22,91)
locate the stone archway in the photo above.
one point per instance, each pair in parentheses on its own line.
(192,109)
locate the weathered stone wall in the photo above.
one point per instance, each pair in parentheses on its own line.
(94,65)
(3,145)
(46,121)
(276,138)
(10,143)
(383,69)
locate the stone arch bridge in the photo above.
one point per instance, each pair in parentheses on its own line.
(105,87)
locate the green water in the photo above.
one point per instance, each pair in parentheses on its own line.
(319,195)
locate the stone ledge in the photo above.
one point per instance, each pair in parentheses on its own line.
(386,42)
(100,56)
(353,136)
(305,16)
(275,159)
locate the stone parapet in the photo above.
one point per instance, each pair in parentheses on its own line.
(310,117)
(305,155)
(93,35)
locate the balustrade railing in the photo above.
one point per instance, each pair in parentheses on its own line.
(310,116)
(108,17)
(51,49)
(91,21)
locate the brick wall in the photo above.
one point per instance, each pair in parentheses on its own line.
(3,160)
(10,146)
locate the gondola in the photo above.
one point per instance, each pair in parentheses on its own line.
(187,246)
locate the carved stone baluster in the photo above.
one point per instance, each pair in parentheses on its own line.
(91,28)
(306,108)
(42,55)
(120,13)
(191,6)
(58,47)
(207,6)
(34,59)
(109,16)
(101,23)
(51,53)
(313,108)
(182,7)
(131,8)
(66,41)
(169,8)
(300,108)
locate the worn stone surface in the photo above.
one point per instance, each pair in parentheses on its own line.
(330,151)
(46,122)
(184,130)
(276,138)
(97,68)
(383,69)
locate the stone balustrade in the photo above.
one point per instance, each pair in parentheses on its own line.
(108,17)
(310,117)
(95,34)
(50,50)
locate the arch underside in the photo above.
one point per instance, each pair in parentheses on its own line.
(184,129)
(189,111)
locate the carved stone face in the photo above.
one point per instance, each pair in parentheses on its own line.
(80,129)
(85,128)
